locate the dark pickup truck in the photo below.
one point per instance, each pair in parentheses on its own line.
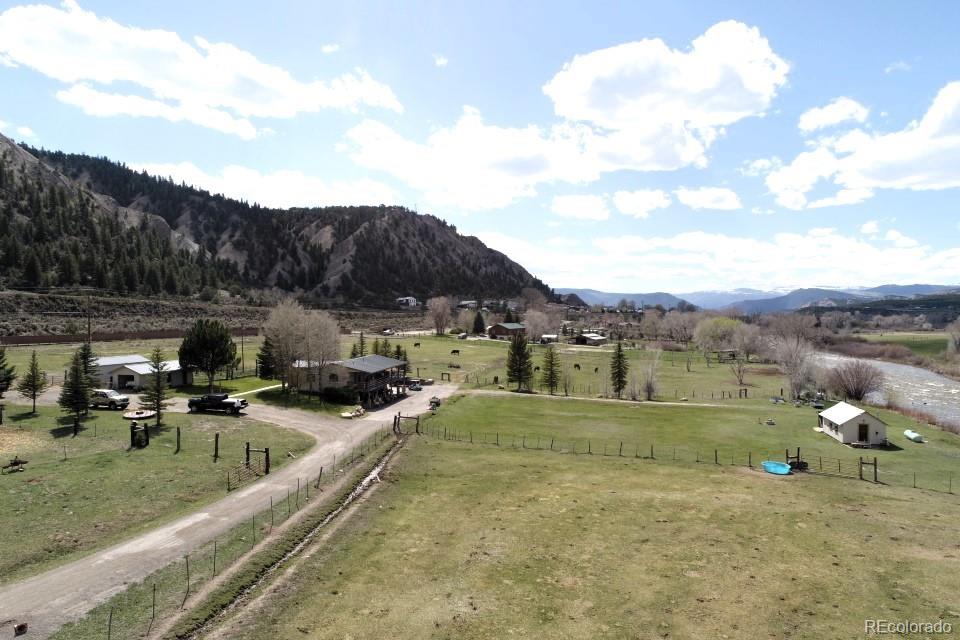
(217,402)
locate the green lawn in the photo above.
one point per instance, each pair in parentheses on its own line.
(735,430)
(931,345)
(293,400)
(468,542)
(102,493)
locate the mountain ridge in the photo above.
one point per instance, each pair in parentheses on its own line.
(362,254)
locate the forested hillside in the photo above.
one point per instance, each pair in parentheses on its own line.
(70,220)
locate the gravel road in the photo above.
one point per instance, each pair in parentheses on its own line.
(64,594)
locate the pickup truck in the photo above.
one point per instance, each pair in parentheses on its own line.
(217,402)
(108,398)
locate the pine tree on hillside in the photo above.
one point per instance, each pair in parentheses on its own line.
(154,396)
(7,373)
(619,367)
(34,381)
(519,362)
(550,371)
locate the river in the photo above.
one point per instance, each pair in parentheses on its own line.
(912,387)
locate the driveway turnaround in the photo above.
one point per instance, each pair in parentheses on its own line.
(64,594)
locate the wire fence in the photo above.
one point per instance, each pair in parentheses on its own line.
(135,612)
(865,467)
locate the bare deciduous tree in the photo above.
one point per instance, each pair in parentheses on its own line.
(793,355)
(439,309)
(533,299)
(953,339)
(284,327)
(650,377)
(537,324)
(321,341)
(856,379)
(679,327)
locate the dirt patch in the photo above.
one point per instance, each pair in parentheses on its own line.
(12,442)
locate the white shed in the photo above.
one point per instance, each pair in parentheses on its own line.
(131,372)
(107,365)
(852,425)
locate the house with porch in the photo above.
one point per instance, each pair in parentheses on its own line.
(375,379)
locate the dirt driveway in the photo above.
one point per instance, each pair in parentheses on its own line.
(50,600)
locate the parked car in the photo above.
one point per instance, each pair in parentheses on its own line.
(388,331)
(108,398)
(462,336)
(415,387)
(217,402)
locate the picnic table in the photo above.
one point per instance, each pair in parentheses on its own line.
(15,465)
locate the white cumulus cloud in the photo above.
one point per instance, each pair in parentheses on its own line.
(923,156)
(639,106)
(642,202)
(837,111)
(897,65)
(330,48)
(870,227)
(900,240)
(26,132)
(440,60)
(718,198)
(281,189)
(211,84)
(580,207)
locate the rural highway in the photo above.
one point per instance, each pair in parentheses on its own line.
(64,594)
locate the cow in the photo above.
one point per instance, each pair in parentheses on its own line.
(536,368)
(596,369)
(455,352)
(577,367)
(416,345)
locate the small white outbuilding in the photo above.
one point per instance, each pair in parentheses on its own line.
(854,426)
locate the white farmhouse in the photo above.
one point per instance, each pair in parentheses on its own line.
(133,371)
(852,425)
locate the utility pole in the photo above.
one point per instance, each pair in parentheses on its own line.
(242,366)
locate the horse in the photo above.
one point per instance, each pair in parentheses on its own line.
(577,367)
(455,352)
(416,345)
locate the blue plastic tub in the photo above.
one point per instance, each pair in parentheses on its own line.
(776,468)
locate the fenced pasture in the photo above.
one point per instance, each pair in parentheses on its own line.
(142,607)
(735,434)
(78,494)
(483,542)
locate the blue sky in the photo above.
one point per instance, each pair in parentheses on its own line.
(620,146)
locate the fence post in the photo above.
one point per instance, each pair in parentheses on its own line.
(253,531)
(716,457)
(297,499)
(178,440)
(750,459)
(860,467)
(621,450)
(875,479)
(247,455)
(589,448)
(652,457)
(153,608)
(216,446)
(266,463)
(110,624)
(214,569)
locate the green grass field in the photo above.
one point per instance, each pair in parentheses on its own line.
(467,541)
(931,345)
(102,493)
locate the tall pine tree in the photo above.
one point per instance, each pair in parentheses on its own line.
(619,367)
(266,361)
(550,371)
(479,326)
(519,362)
(34,382)
(75,394)
(154,395)
(7,373)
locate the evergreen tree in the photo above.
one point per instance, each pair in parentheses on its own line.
(7,373)
(375,349)
(479,326)
(619,367)
(508,316)
(170,283)
(75,394)
(154,396)
(519,362)
(33,271)
(34,382)
(266,362)
(550,371)
(385,349)
(68,269)
(91,371)
(362,346)
(354,350)
(207,347)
